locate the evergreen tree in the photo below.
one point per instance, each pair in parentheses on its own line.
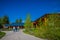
(0,23)
(0,20)
(20,20)
(5,20)
(17,21)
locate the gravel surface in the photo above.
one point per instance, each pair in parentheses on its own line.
(10,35)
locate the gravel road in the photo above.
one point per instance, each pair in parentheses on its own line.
(10,35)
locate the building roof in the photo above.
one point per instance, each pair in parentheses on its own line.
(15,24)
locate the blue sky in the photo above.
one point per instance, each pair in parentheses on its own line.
(17,9)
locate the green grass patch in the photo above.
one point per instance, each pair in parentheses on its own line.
(35,33)
(2,34)
(6,29)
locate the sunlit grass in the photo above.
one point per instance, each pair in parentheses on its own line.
(1,34)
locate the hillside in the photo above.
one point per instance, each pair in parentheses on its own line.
(49,26)
(49,18)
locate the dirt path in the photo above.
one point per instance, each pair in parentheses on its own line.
(10,35)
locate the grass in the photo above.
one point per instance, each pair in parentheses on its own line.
(2,34)
(6,29)
(34,32)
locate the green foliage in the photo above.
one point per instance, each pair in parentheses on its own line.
(0,23)
(28,22)
(51,31)
(1,34)
(4,20)
(19,21)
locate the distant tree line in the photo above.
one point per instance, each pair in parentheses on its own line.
(18,20)
(4,20)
